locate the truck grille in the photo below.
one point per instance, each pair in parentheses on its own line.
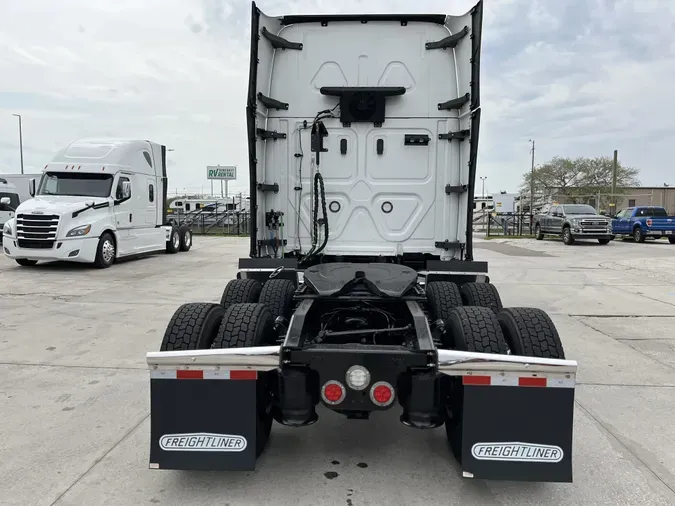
(36,231)
(594,226)
(594,223)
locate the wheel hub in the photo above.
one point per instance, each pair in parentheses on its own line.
(108,251)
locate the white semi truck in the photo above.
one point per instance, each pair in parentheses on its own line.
(98,200)
(363,134)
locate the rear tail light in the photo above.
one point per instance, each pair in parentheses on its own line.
(333,392)
(382,394)
(649,222)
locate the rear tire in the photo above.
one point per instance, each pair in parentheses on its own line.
(192,327)
(481,294)
(248,325)
(671,240)
(442,297)
(173,244)
(185,237)
(638,236)
(603,241)
(240,291)
(24,262)
(539,235)
(105,251)
(473,329)
(530,332)
(277,295)
(245,325)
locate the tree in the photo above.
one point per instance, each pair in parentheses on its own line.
(579,179)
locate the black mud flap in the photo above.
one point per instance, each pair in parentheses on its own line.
(518,433)
(203,420)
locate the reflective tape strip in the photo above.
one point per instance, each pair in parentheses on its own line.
(221,374)
(517,381)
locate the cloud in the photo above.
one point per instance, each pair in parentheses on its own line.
(581,77)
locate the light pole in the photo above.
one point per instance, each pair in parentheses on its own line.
(532,188)
(482,193)
(20,140)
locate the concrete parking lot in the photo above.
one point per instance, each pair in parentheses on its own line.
(75,405)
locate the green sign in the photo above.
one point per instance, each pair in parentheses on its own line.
(221,172)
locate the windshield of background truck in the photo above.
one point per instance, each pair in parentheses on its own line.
(579,209)
(76,184)
(13,199)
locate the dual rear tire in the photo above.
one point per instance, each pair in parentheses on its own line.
(480,324)
(180,239)
(199,326)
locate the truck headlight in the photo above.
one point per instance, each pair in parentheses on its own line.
(79,231)
(7,229)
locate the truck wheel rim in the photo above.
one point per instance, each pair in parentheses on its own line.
(108,251)
(188,238)
(176,240)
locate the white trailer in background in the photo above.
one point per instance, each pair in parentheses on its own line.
(98,200)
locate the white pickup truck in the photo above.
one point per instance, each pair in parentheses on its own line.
(98,200)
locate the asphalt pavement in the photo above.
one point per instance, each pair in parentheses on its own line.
(75,405)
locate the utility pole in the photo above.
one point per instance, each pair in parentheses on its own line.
(482,193)
(20,140)
(532,187)
(615,169)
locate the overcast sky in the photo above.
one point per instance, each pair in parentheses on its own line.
(581,77)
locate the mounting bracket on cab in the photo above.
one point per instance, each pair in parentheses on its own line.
(270,134)
(279,42)
(268,187)
(362,104)
(460,135)
(448,42)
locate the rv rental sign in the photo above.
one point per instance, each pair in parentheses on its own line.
(221,172)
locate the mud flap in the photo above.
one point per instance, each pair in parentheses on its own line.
(203,420)
(518,433)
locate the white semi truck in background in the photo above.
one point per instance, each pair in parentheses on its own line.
(98,200)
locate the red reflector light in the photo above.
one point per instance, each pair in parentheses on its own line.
(476,380)
(243,375)
(333,392)
(189,374)
(531,382)
(382,393)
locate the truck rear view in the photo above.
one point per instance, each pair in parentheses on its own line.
(360,293)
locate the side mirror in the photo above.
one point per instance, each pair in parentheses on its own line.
(31,187)
(126,189)
(5,204)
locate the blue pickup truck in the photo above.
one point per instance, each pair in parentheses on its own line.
(644,221)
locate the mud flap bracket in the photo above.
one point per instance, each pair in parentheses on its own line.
(517,433)
(202,424)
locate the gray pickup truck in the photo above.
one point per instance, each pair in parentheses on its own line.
(572,222)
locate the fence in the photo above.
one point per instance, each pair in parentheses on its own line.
(217,223)
(506,224)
